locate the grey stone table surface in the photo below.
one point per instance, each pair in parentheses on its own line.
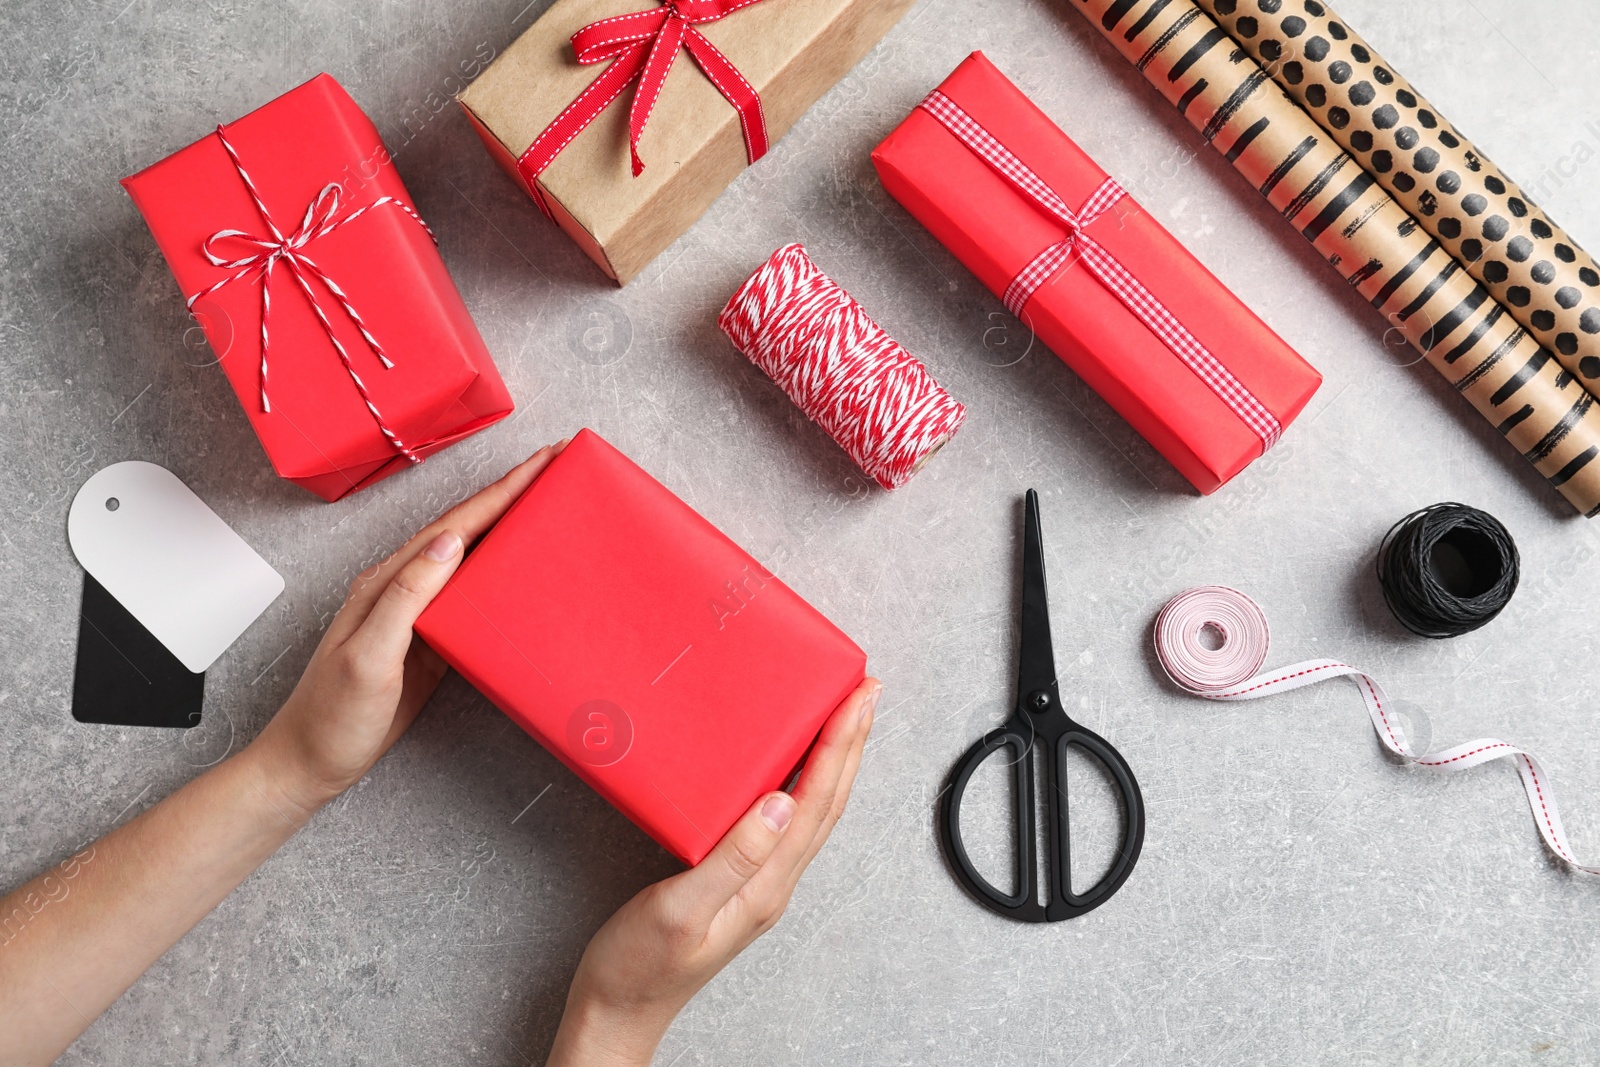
(1301,898)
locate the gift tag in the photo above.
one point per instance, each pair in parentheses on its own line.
(169,560)
(124,676)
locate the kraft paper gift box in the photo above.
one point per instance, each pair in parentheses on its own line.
(787,53)
(1211,393)
(299,204)
(640,646)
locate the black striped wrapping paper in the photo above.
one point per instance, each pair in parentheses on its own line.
(1373,242)
(1545,280)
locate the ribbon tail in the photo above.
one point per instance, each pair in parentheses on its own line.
(299,267)
(266,310)
(736,88)
(653,75)
(1535,782)
(350,311)
(1542,799)
(576,118)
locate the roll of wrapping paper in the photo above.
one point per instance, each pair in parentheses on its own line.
(1529,264)
(1371,240)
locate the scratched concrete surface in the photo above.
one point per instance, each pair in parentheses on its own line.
(1301,898)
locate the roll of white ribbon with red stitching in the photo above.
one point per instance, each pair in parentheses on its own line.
(1232,671)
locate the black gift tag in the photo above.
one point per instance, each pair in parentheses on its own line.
(124,676)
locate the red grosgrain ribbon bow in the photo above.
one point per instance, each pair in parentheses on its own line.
(321,219)
(642,46)
(1102,264)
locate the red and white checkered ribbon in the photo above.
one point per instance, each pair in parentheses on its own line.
(321,218)
(1078,245)
(1230,672)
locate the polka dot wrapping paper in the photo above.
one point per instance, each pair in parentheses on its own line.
(1381,249)
(1538,273)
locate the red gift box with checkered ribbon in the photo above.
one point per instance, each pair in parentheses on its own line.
(1095,277)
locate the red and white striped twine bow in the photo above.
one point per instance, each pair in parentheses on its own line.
(1102,264)
(321,218)
(1229,672)
(839,367)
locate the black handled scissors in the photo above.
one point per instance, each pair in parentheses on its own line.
(1039,718)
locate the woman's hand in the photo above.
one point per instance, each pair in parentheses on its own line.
(654,954)
(117,906)
(370,676)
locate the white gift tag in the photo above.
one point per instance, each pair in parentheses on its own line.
(178,568)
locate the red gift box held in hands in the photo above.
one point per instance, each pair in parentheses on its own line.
(321,291)
(1096,278)
(648,652)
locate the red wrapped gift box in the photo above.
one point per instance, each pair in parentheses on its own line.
(341,226)
(1118,298)
(647,651)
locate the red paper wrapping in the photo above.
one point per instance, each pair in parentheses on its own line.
(319,432)
(642,647)
(996,232)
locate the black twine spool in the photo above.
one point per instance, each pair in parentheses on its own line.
(1447,569)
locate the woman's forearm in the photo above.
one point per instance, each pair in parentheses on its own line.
(75,938)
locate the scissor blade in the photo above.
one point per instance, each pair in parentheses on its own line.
(1036,668)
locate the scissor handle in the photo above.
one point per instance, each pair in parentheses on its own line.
(1062,903)
(1024,904)
(1065,904)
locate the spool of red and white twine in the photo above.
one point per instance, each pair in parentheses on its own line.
(1232,671)
(839,367)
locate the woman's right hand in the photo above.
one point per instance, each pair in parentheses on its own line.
(661,947)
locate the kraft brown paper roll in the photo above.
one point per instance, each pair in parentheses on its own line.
(1373,242)
(1487,223)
